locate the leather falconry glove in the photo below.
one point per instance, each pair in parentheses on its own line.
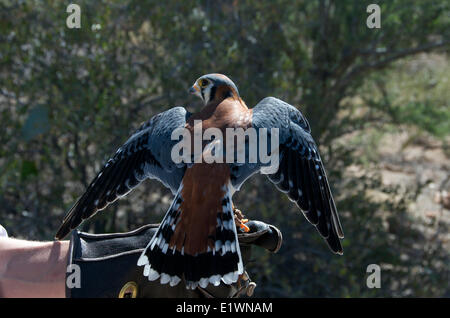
(108,265)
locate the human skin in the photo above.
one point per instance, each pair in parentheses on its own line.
(32,269)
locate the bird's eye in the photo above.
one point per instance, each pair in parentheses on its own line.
(203,83)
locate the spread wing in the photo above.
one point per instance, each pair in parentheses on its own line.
(146,154)
(301,174)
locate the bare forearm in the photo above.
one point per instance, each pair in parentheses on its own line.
(32,269)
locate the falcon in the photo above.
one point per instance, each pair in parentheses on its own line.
(196,242)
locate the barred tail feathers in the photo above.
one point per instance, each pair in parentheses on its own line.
(173,254)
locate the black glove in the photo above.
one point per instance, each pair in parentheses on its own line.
(108,264)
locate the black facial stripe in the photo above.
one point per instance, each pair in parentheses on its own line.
(201,92)
(213,93)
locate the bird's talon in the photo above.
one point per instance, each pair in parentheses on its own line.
(239,220)
(245,228)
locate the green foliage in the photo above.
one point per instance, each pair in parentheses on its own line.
(69,98)
(427,105)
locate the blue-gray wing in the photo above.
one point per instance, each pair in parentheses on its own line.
(300,174)
(146,154)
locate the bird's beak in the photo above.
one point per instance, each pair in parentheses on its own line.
(194,89)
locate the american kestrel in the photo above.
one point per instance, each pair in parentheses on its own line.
(197,239)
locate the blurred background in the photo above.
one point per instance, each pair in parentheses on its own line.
(377,101)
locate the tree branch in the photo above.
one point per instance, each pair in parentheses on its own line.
(378,64)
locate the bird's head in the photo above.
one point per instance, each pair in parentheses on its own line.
(214,87)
